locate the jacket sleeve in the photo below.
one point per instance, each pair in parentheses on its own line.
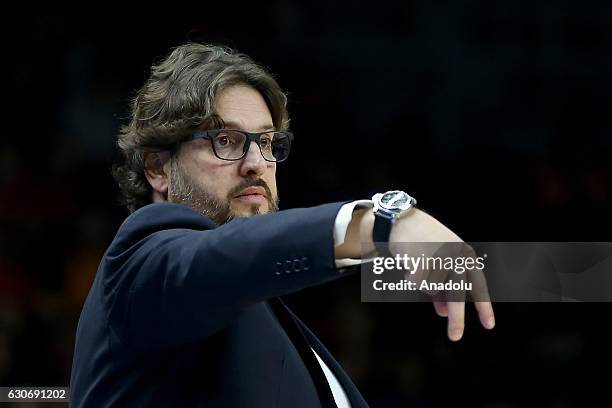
(180,285)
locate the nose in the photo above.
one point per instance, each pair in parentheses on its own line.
(253,163)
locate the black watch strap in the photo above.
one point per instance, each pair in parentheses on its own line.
(381,231)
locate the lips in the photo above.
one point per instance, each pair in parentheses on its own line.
(252,191)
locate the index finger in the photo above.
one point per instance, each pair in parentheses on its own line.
(485,314)
(456,320)
(482,299)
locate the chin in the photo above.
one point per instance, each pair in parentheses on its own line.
(250,210)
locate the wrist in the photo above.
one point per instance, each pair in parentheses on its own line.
(359,232)
(366,227)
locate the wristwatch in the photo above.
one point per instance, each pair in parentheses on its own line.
(388,207)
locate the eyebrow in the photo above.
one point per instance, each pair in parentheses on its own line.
(233,125)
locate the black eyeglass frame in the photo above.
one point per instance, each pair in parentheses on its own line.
(210,134)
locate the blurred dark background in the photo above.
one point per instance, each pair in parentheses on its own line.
(495,116)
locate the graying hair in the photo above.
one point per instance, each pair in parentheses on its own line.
(177,98)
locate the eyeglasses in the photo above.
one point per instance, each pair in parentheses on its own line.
(230,144)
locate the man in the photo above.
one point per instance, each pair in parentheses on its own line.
(184,309)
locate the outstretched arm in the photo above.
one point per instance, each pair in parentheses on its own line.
(177,284)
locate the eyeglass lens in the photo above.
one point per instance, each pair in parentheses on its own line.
(230,145)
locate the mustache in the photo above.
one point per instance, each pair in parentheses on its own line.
(246,183)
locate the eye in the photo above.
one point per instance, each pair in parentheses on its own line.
(265,142)
(223,141)
(227,139)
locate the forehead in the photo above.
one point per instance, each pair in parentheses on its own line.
(243,106)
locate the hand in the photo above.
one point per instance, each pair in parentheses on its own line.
(418,226)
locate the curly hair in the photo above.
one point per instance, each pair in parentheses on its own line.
(179,97)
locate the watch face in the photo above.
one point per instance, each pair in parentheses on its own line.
(395,200)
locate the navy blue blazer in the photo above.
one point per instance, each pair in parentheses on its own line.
(185,313)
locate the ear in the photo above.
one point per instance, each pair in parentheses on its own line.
(155,173)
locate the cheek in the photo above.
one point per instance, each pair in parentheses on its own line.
(219,179)
(271,178)
(207,172)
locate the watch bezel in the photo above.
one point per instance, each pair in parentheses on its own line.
(393,208)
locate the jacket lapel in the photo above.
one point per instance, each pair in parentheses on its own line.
(353,394)
(296,334)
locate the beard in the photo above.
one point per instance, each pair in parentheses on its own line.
(184,191)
